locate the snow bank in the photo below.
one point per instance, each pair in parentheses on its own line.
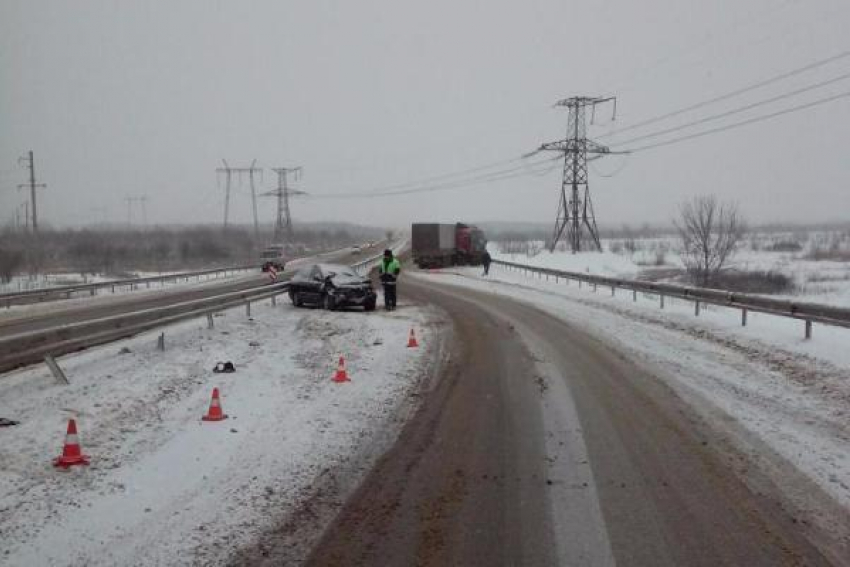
(596,263)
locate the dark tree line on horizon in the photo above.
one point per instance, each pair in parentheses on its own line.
(122,251)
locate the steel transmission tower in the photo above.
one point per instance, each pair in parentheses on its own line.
(250,171)
(29,159)
(283,223)
(575,211)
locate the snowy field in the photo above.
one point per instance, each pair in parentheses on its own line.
(765,388)
(45,281)
(818,263)
(165,488)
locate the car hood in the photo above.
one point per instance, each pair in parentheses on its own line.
(349,281)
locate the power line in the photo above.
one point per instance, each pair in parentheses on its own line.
(737,110)
(680,53)
(734,125)
(386,189)
(731,94)
(511,173)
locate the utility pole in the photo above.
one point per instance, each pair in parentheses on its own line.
(250,171)
(283,223)
(575,211)
(131,201)
(228,176)
(29,159)
(129,210)
(144,201)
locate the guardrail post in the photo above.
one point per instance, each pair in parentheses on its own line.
(594,288)
(210,321)
(57,372)
(744,317)
(113,288)
(696,308)
(612,291)
(148,285)
(579,284)
(808,329)
(634,295)
(274,300)
(661,298)
(556,278)
(248,308)
(93,291)
(160,342)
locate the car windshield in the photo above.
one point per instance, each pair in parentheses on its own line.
(338,270)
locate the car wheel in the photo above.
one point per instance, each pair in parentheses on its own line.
(296,299)
(369,306)
(329,302)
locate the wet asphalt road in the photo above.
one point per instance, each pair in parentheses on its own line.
(542,446)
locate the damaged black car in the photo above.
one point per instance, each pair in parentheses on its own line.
(331,286)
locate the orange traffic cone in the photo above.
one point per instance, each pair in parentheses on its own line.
(71,453)
(411,340)
(341,374)
(215,413)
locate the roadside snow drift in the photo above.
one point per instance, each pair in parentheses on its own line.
(165,488)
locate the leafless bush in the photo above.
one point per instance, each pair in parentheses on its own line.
(785,246)
(658,258)
(528,248)
(754,281)
(709,232)
(829,247)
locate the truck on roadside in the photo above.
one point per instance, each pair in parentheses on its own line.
(436,245)
(273,256)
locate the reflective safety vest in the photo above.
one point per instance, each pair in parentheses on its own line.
(391,268)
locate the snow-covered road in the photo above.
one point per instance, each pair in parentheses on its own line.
(165,488)
(781,401)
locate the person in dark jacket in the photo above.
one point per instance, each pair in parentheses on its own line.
(486,259)
(389,269)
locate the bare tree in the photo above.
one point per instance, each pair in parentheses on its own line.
(710,232)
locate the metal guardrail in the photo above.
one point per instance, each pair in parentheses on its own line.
(807,312)
(32,347)
(373,260)
(41,294)
(27,348)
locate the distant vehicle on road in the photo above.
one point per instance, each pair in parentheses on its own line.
(273,256)
(331,286)
(356,250)
(439,245)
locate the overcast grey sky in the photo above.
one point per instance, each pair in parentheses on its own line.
(145,98)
